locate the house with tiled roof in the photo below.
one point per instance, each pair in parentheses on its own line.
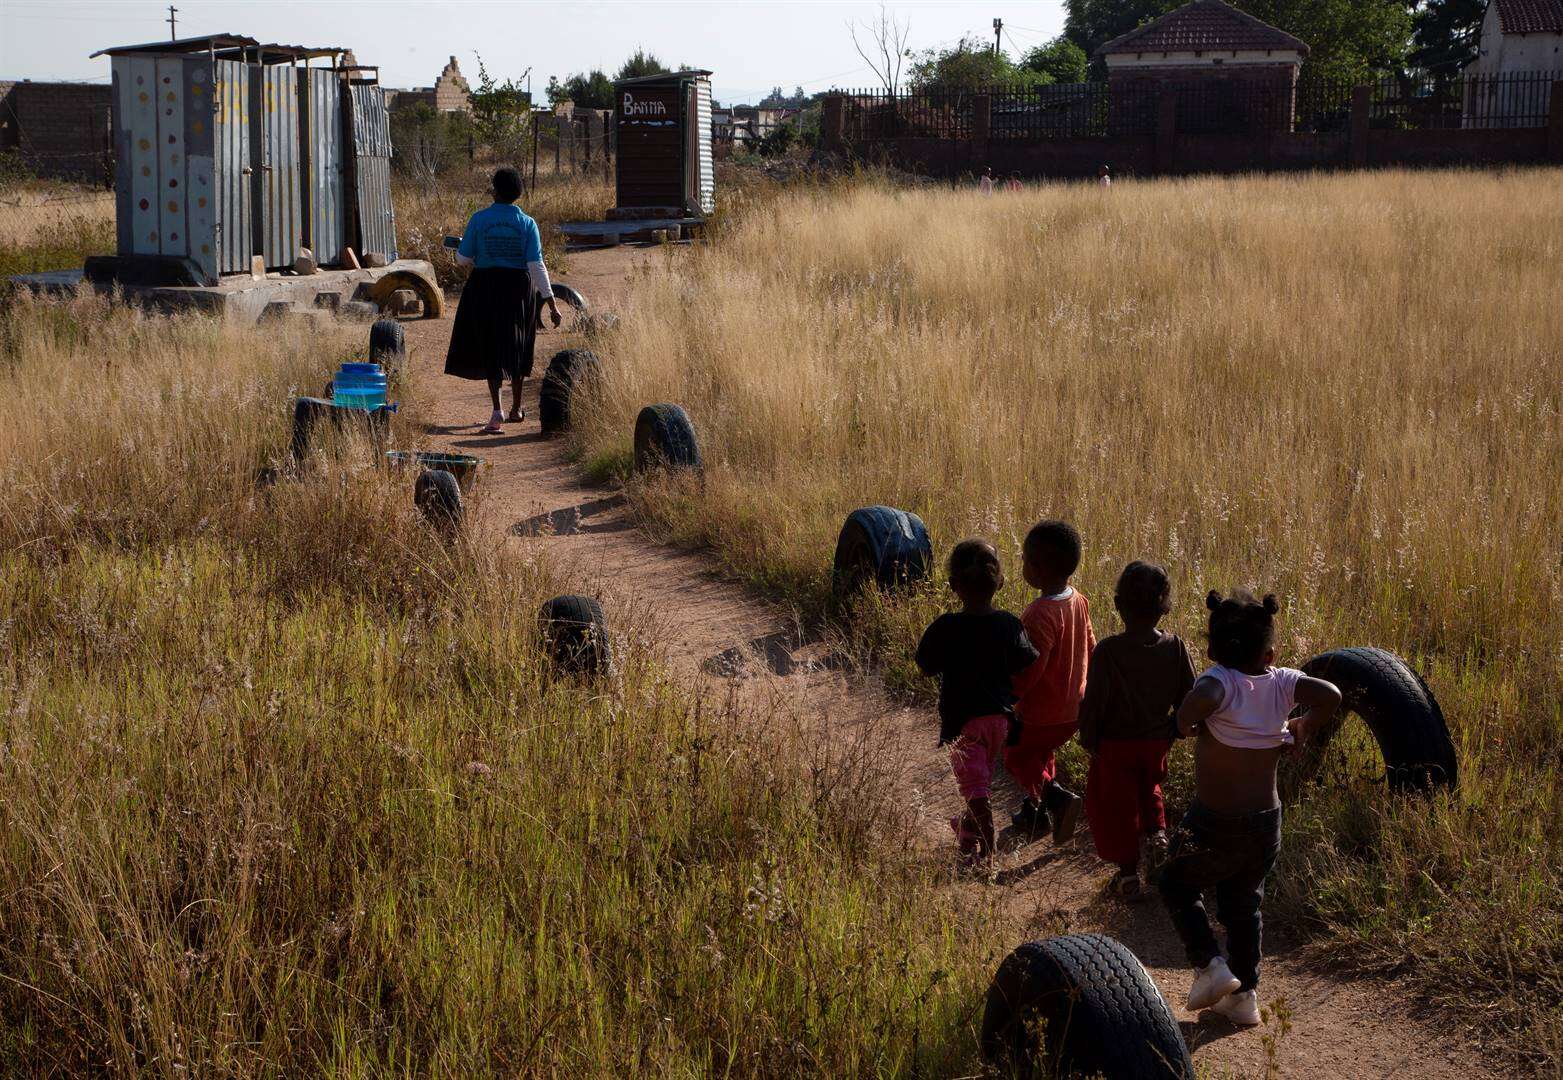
(1221,62)
(1520,35)
(1521,42)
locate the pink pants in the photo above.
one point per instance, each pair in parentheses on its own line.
(1031,761)
(976,752)
(1123,796)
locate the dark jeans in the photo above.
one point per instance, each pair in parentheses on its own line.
(1232,852)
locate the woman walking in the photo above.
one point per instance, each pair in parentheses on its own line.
(497,317)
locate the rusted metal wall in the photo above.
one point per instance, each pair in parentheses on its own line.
(274,149)
(165,191)
(231,179)
(320,114)
(370,132)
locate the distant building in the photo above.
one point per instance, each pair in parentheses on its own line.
(1229,69)
(1520,35)
(450,93)
(1519,38)
(747,123)
(59,129)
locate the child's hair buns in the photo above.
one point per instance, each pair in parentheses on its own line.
(1271,605)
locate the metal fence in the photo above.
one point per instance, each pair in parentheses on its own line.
(1316,105)
(1518,99)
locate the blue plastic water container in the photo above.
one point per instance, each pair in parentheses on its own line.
(359,386)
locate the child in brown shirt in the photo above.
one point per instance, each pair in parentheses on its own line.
(1134,684)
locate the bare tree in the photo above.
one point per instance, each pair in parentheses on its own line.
(883,47)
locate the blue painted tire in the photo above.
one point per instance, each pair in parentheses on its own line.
(883,546)
(665,439)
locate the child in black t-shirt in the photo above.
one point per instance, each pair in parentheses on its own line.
(975,652)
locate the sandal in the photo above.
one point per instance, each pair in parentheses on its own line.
(1126,887)
(495,425)
(516,416)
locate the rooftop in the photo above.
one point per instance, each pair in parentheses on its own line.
(666,76)
(1530,16)
(1214,26)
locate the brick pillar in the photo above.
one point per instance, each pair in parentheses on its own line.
(1361,98)
(831,120)
(1555,123)
(982,118)
(1166,130)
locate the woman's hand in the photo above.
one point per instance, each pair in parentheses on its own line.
(553,312)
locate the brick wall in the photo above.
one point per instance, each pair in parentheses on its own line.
(450,90)
(1257,96)
(61,129)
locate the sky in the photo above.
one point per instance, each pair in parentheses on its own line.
(750,45)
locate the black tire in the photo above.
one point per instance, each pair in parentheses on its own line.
(308,413)
(883,545)
(569,363)
(553,403)
(576,634)
(1098,1012)
(664,438)
(387,344)
(570,296)
(1399,709)
(438,495)
(566,371)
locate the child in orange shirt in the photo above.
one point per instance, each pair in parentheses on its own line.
(1059,625)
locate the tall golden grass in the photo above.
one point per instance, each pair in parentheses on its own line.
(287,788)
(425,216)
(1343,389)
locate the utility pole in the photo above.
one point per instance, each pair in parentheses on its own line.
(998,28)
(172,11)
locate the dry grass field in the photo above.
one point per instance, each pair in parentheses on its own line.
(1343,389)
(286,787)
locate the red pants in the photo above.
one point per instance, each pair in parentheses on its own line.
(1123,796)
(1030,761)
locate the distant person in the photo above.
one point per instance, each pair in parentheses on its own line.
(985,181)
(1058,622)
(1104,177)
(975,652)
(495,332)
(1133,687)
(1230,837)
(1013,183)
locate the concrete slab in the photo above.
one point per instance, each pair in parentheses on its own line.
(614,232)
(239,296)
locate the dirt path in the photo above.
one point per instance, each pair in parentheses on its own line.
(714,630)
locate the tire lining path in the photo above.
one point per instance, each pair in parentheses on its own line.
(713,630)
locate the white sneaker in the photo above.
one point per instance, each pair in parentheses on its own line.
(1212,982)
(1241,1008)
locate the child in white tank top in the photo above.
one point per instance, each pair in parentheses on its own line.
(1240,709)
(1253,710)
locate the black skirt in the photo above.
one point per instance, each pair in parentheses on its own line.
(496,326)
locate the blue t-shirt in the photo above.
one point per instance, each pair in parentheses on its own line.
(501,235)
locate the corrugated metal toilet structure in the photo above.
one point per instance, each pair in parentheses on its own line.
(228,149)
(666,175)
(663,129)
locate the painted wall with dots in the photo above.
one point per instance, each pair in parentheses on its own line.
(167,112)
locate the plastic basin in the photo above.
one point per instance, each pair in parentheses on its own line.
(464,467)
